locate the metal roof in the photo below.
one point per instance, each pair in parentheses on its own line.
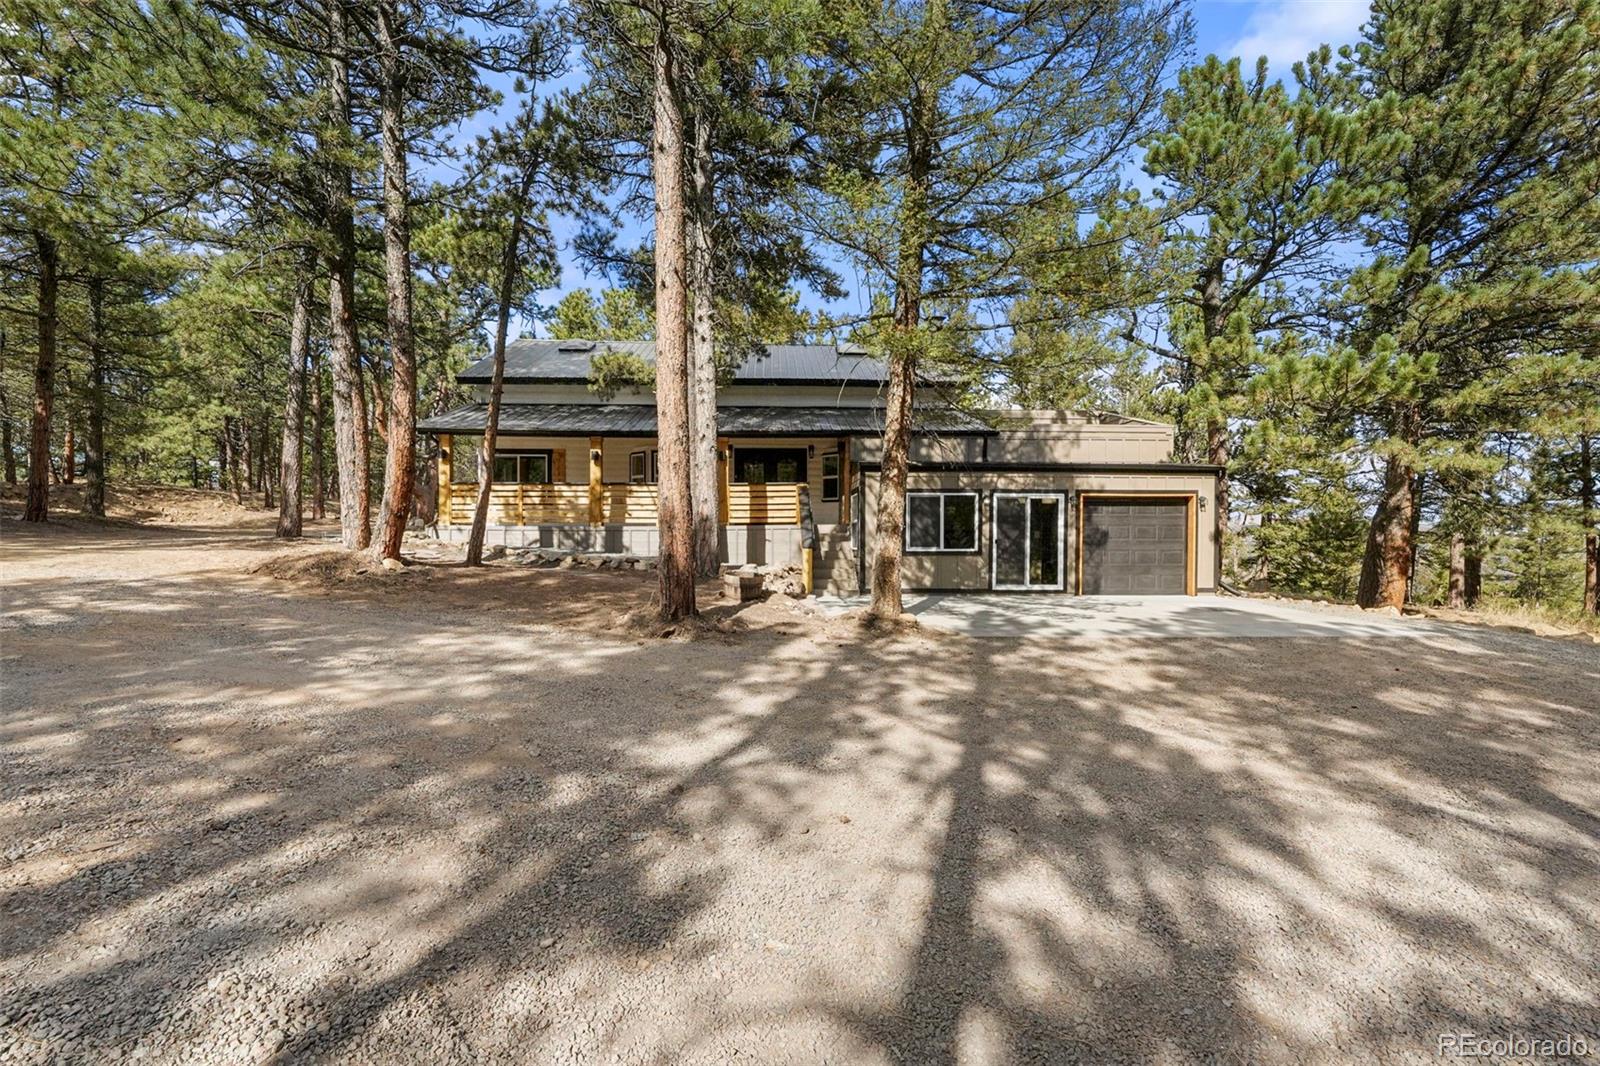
(548,361)
(639,420)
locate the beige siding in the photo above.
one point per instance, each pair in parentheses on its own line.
(576,449)
(1066,441)
(971,571)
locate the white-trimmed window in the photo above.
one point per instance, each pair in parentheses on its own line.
(941,521)
(525,467)
(638,472)
(830,477)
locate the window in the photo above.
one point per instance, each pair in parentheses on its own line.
(758,466)
(830,477)
(942,521)
(637,470)
(536,469)
(528,468)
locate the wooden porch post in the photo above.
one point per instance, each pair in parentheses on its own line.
(724,473)
(597,513)
(443,516)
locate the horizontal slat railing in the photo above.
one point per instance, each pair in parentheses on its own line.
(530,505)
(523,505)
(630,504)
(775,503)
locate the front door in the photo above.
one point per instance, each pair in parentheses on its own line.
(1028,538)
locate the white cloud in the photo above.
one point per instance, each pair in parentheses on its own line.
(1286,30)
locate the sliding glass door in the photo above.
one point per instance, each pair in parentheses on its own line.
(1029,533)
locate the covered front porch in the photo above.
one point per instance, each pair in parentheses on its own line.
(599,494)
(599,481)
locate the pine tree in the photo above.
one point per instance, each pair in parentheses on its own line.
(1254,187)
(1487,245)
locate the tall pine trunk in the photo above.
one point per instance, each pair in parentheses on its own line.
(319,475)
(702,362)
(400,471)
(1387,563)
(247,455)
(1458,571)
(889,537)
(675,508)
(509,273)
(6,443)
(294,400)
(1419,483)
(44,382)
(1214,323)
(230,453)
(69,440)
(1591,535)
(94,450)
(349,404)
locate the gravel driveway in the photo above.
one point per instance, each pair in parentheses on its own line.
(244,822)
(1054,615)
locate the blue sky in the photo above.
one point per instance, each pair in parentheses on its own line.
(1282,30)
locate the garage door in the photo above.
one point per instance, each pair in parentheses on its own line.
(1135,547)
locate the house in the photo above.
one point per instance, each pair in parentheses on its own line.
(1068,501)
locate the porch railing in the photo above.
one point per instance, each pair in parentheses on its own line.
(523,505)
(626,504)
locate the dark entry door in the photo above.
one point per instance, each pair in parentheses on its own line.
(1135,547)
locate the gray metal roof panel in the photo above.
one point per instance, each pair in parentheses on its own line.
(639,420)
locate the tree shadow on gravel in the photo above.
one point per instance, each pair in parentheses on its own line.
(286,828)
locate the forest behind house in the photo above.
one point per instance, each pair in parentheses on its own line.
(247,245)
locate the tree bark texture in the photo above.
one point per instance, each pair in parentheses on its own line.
(1419,482)
(44,378)
(399,472)
(1458,571)
(7,445)
(491,429)
(1591,535)
(1386,566)
(5,419)
(94,450)
(69,440)
(889,538)
(702,362)
(675,507)
(230,451)
(294,400)
(319,475)
(349,404)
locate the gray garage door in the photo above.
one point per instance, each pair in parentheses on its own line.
(1135,547)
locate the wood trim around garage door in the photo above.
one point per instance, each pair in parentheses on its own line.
(1190,548)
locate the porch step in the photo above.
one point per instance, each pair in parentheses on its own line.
(835,565)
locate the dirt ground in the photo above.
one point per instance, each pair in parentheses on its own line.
(484,817)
